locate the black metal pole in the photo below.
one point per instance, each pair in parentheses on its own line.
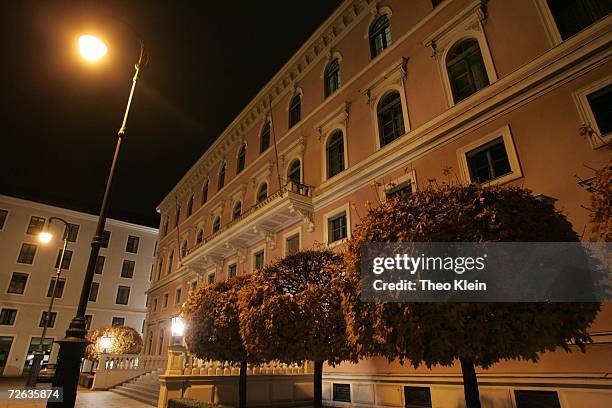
(72,347)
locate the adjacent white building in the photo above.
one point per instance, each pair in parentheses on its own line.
(28,266)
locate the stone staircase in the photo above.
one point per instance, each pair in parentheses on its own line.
(144,388)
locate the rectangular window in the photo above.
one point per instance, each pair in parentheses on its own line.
(292,244)
(59,287)
(88,319)
(336,228)
(105,239)
(118,321)
(71,232)
(177,296)
(342,392)
(3,216)
(417,397)
(18,283)
(7,317)
(600,103)
(231,271)
(36,225)
(155,305)
(50,323)
(143,326)
(127,270)
(489,161)
(93,291)
(132,244)
(259,259)
(573,16)
(211,278)
(194,284)
(402,190)
(26,254)
(165,302)
(540,399)
(123,295)
(66,261)
(99,264)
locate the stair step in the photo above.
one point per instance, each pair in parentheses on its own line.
(146,399)
(148,388)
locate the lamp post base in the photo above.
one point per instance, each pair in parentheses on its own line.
(71,352)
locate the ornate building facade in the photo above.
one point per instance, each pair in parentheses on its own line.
(384,97)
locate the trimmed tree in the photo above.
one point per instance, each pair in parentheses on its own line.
(290,312)
(212,327)
(126,340)
(479,334)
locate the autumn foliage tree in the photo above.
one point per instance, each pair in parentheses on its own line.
(601,204)
(212,327)
(125,340)
(476,334)
(291,312)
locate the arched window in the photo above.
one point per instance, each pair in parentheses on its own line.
(170,261)
(295,110)
(241,159)
(177,217)
(390,118)
(294,172)
(380,35)
(205,192)
(237,210)
(165,229)
(264,141)
(184,249)
(332,77)
(262,192)
(200,237)
(216,224)
(221,181)
(335,154)
(466,69)
(190,206)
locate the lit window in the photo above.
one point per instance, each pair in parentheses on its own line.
(93,291)
(332,77)
(390,118)
(123,295)
(36,225)
(241,159)
(294,173)
(132,244)
(335,154)
(264,141)
(262,193)
(237,210)
(380,36)
(573,16)
(71,232)
(336,228)
(59,287)
(295,110)
(466,69)
(488,161)
(127,270)
(18,283)
(26,254)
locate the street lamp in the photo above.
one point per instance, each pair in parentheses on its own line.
(45,237)
(106,343)
(72,347)
(177,329)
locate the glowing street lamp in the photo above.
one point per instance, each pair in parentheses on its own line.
(92,48)
(106,343)
(178,330)
(45,237)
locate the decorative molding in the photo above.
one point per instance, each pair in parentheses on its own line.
(240,250)
(307,216)
(268,235)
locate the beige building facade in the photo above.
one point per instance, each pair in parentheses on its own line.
(28,268)
(383,98)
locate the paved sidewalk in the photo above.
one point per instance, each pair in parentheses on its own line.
(85,398)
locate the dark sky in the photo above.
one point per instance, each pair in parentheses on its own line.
(60,115)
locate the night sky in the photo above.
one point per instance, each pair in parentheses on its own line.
(60,114)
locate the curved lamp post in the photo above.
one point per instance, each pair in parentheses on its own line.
(45,237)
(72,347)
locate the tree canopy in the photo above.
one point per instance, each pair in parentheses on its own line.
(125,340)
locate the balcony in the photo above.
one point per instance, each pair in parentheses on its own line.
(287,206)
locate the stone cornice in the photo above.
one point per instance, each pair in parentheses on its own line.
(316,47)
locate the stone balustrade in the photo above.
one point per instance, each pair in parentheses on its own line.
(114,369)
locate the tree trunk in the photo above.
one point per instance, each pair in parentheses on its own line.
(470,384)
(318,384)
(242,385)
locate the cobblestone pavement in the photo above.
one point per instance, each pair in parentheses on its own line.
(85,397)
